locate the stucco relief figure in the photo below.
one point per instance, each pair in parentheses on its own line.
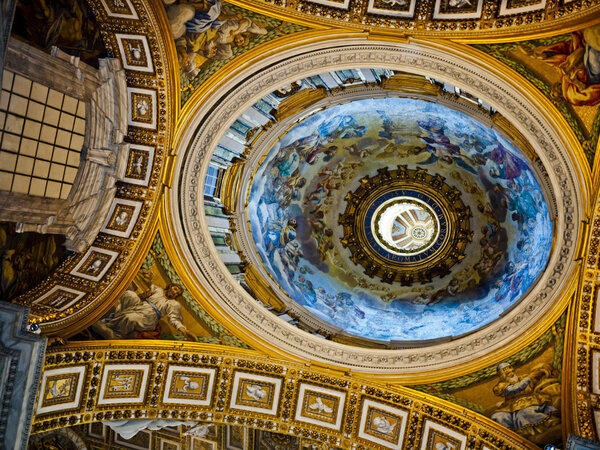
(444,446)
(256,392)
(189,385)
(319,406)
(135,313)
(530,403)
(383,425)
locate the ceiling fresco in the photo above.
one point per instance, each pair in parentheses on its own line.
(442,193)
(300,190)
(69,25)
(27,258)
(174,314)
(210,34)
(481,391)
(565,68)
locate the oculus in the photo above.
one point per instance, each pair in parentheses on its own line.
(405,225)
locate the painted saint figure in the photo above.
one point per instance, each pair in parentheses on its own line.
(528,401)
(134,314)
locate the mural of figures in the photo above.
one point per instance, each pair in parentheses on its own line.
(298,194)
(158,306)
(566,69)
(26,259)
(210,33)
(530,400)
(135,314)
(67,24)
(522,393)
(578,62)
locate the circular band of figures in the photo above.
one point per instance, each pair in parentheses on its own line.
(424,296)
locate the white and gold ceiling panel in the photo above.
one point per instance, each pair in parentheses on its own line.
(462,19)
(125,381)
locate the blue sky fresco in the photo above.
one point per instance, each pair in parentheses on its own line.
(298,194)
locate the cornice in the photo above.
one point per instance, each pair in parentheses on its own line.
(490,22)
(138,379)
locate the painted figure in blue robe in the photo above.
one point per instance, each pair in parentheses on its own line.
(341,127)
(510,283)
(507,166)
(390,130)
(289,165)
(306,288)
(522,202)
(530,402)
(279,233)
(439,146)
(206,18)
(345,310)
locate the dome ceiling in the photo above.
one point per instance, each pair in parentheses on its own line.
(303,191)
(228,141)
(462,222)
(393,222)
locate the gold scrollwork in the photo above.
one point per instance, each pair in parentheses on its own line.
(409,269)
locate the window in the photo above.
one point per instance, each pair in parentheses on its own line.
(41,137)
(210,182)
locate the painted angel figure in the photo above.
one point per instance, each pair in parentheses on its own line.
(439,146)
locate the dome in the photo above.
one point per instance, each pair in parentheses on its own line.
(288,173)
(398,219)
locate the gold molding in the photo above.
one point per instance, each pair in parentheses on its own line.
(241,63)
(535,25)
(408,83)
(453,219)
(299,102)
(582,339)
(230,187)
(102,392)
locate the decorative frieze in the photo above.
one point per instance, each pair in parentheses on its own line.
(84,384)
